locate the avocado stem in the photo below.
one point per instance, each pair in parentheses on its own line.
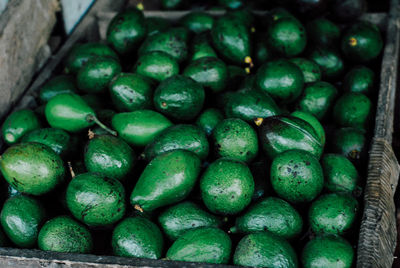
(258,121)
(71,170)
(137,207)
(91,134)
(93,118)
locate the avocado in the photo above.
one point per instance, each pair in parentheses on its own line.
(270,214)
(130,92)
(110,156)
(58,85)
(157,65)
(311,71)
(362,42)
(95,199)
(137,237)
(156,25)
(297,176)
(32,168)
(173,4)
(140,127)
(323,32)
(126,30)
(244,15)
(17,124)
(180,218)
(332,213)
(64,234)
(317,99)
(352,110)
(205,244)
(236,139)
(176,172)
(349,142)
(201,47)
(21,218)
(264,249)
(313,121)
(231,4)
(179,97)
(282,133)
(181,136)
(198,22)
(227,186)
(327,251)
(281,79)
(340,174)
(329,61)
(359,79)
(209,119)
(287,36)
(210,72)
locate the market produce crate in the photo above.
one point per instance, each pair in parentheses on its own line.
(377,238)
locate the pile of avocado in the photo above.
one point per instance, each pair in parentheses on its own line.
(227,140)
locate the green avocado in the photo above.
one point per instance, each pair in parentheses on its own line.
(282,133)
(110,156)
(181,136)
(179,97)
(231,4)
(157,65)
(349,142)
(227,186)
(317,99)
(236,139)
(176,172)
(198,22)
(18,124)
(281,79)
(264,249)
(313,121)
(332,213)
(359,79)
(137,237)
(126,30)
(340,174)
(156,25)
(205,244)
(323,32)
(327,251)
(140,127)
(244,15)
(362,42)
(297,176)
(32,168)
(64,234)
(209,119)
(311,71)
(352,110)
(210,72)
(185,216)
(270,214)
(21,218)
(130,92)
(329,61)
(172,4)
(201,47)
(58,85)
(57,139)
(95,199)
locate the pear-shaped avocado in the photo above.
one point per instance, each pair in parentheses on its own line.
(96,200)
(270,214)
(176,172)
(185,216)
(310,69)
(137,237)
(140,127)
(198,22)
(110,156)
(323,32)
(64,234)
(58,85)
(297,176)
(209,119)
(231,38)
(21,218)
(32,168)
(264,250)
(329,61)
(349,142)
(352,110)
(126,30)
(130,92)
(157,65)
(359,79)
(179,97)
(340,174)
(17,124)
(313,121)
(205,244)
(201,47)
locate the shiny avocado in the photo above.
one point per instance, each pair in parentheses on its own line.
(201,47)
(349,142)
(18,124)
(311,71)
(209,119)
(198,22)
(58,85)
(157,65)
(359,79)
(340,174)
(329,60)
(313,121)
(352,110)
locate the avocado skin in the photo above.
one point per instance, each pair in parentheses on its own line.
(323,32)
(179,97)
(359,79)
(227,186)
(126,30)
(17,124)
(172,4)
(157,65)
(137,237)
(107,194)
(270,214)
(349,142)
(297,176)
(236,139)
(264,250)
(201,47)
(181,136)
(281,133)
(327,251)
(63,234)
(310,69)
(57,139)
(198,22)
(313,121)
(329,60)
(340,174)
(352,110)
(185,216)
(58,85)
(205,244)
(21,218)
(156,25)
(32,168)
(318,98)
(176,172)
(209,119)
